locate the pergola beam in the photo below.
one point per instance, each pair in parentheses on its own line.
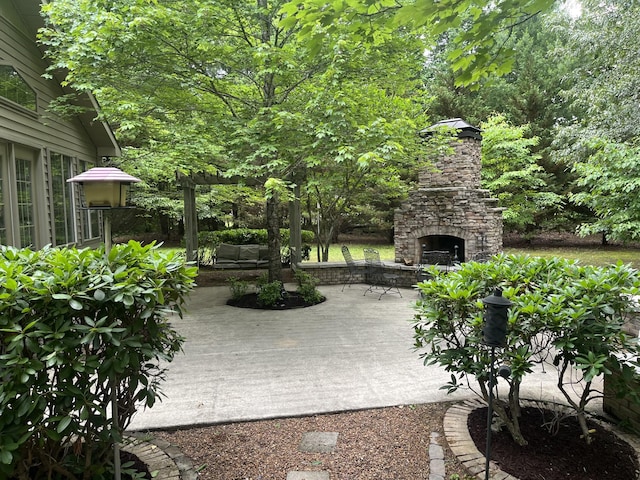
(189,183)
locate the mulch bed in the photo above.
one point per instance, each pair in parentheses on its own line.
(136,465)
(563,456)
(290,300)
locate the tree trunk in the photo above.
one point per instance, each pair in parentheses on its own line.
(510,417)
(273,239)
(512,422)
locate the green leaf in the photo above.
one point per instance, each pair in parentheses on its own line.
(61,296)
(75,304)
(63,424)
(6,457)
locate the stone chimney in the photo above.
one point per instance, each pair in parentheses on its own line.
(449,211)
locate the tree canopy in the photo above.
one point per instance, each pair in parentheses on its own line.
(511,172)
(318,94)
(480,28)
(599,142)
(230,87)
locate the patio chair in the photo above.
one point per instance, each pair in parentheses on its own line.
(351,265)
(376,277)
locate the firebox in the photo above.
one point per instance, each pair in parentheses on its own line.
(443,243)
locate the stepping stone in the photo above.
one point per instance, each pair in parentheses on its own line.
(308,476)
(318,442)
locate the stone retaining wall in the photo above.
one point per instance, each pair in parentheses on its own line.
(335,273)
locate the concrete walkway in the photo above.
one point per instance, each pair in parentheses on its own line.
(350,352)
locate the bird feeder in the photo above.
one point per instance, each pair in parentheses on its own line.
(104,187)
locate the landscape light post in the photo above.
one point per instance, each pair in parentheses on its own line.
(106,188)
(494,334)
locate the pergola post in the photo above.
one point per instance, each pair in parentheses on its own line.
(295,228)
(190,222)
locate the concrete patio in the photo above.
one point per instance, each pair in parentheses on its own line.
(350,352)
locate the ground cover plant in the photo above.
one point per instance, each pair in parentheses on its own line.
(78,330)
(565,315)
(273,295)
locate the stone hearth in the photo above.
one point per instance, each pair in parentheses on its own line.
(449,211)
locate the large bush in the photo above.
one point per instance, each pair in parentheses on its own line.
(77,330)
(565,316)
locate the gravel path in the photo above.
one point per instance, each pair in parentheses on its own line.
(380,444)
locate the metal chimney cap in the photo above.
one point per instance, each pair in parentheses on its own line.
(464,129)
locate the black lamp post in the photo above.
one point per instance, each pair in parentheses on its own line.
(494,335)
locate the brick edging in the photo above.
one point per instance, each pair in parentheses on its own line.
(160,456)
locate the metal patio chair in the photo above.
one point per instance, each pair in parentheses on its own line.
(376,277)
(351,265)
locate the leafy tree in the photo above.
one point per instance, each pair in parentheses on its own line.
(377,107)
(511,172)
(479,28)
(221,87)
(599,141)
(610,176)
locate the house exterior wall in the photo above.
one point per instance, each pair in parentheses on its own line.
(34,143)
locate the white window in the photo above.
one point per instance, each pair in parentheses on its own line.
(62,199)
(24,188)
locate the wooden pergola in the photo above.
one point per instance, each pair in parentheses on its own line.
(188,183)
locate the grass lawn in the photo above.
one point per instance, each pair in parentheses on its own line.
(594,255)
(387,252)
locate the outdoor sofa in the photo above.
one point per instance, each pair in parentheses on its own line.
(241,256)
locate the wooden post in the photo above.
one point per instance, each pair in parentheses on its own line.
(295,228)
(190,222)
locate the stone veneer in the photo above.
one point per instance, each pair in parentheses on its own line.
(449,209)
(336,273)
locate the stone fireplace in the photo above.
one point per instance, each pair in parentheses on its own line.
(449,211)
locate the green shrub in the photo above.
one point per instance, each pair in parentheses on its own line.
(262,280)
(307,287)
(238,287)
(564,316)
(271,293)
(76,330)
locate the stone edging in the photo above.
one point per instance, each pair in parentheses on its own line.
(161,457)
(462,445)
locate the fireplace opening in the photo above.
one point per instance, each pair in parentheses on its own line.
(448,243)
